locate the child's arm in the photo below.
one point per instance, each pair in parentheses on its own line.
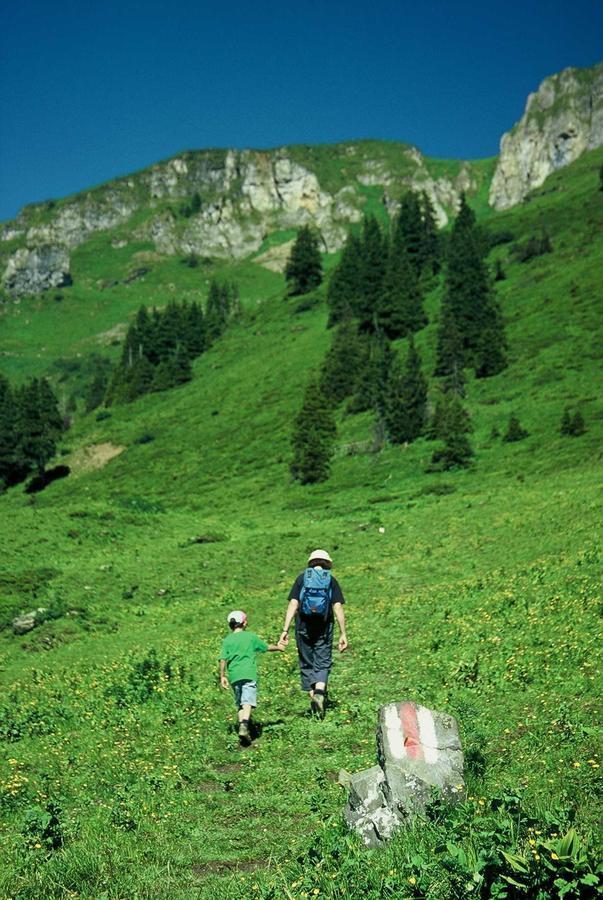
(273,647)
(223,679)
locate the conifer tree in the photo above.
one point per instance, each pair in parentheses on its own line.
(195,330)
(345,283)
(469,305)
(373,249)
(409,230)
(400,304)
(38,424)
(514,431)
(8,437)
(452,427)
(303,271)
(376,361)
(406,399)
(339,371)
(313,437)
(566,422)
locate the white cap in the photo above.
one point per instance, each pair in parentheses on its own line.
(319,554)
(237,616)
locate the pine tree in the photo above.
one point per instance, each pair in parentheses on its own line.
(195,330)
(373,255)
(216,313)
(303,271)
(339,371)
(38,425)
(409,231)
(375,365)
(452,426)
(313,438)
(406,399)
(345,283)
(139,379)
(514,431)
(8,436)
(469,305)
(182,365)
(400,304)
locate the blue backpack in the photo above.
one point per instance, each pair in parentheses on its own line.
(315,595)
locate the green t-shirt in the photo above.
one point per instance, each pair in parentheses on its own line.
(239,650)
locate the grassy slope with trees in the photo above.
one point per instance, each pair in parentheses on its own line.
(118,773)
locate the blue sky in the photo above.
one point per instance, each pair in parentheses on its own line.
(89,92)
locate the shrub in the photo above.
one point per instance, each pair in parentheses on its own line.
(534,246)
(102,415)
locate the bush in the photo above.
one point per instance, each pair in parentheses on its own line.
(145,438)
(534,246)
(102,415)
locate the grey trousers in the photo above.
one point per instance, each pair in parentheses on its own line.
(315,651)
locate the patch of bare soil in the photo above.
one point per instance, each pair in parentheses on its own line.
(95,456)
(220,866)
(275,258)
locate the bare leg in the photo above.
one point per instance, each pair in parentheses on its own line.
(244,712)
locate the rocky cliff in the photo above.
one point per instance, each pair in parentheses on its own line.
(562,120)
(224,203)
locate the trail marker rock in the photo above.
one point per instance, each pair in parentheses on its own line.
(420,757)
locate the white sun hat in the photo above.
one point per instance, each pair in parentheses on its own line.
(319,554)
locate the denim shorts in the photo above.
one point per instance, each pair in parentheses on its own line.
(245,692)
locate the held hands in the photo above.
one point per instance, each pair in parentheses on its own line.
(224,682)
(283,640)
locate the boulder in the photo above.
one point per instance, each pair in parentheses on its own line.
(25,622)
(420,758)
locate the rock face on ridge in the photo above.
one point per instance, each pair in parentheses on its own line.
(240,196)
(562,120)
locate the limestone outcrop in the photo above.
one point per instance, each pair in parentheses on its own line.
(36,270)
(562,120)
(420,756)
(239,198)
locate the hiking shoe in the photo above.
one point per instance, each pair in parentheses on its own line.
(244,735)
(318,705)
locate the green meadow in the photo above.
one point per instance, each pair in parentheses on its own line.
(474,592)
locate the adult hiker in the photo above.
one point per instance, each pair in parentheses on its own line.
(314,601)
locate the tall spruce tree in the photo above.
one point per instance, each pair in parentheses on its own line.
(469,307)
(375,365)
(313,437)
(339,371)
(452,426)
(408,230)
(400,305)
(8,435)
(373,255)
(38,424)
(406,399)
(345,283)
(303,271)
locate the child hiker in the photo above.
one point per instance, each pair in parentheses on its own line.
(238,658)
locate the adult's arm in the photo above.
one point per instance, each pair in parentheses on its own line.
(289,616)
(340,616)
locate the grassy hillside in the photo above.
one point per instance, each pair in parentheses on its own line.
(119,774)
